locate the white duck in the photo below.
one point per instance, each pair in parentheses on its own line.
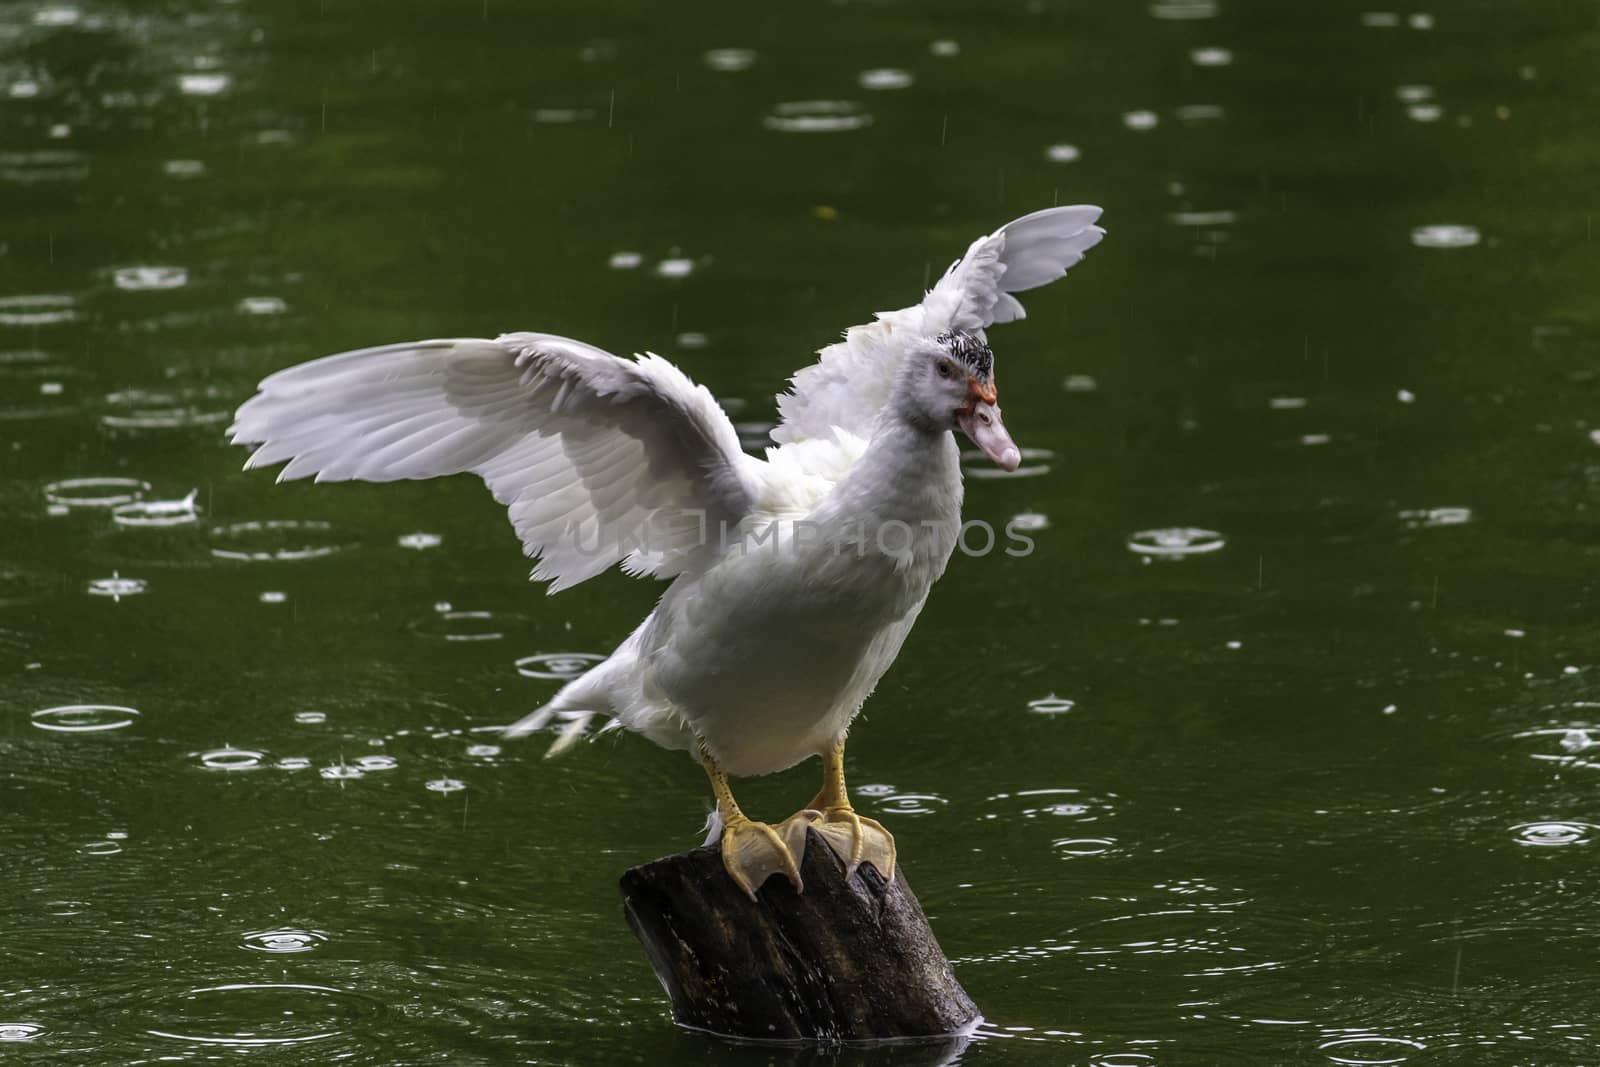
(795,578)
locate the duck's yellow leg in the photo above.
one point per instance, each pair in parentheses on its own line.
(751,851)
(854,839)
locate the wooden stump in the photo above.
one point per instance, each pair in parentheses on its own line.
(844,961)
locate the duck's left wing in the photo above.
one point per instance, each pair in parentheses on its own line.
(851,381)
(599,460)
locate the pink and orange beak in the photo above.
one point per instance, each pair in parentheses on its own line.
(979,419)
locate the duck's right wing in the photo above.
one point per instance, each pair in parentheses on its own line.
(599,460)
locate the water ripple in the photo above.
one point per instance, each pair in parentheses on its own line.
(276,540)
(95,492)
(1553,834)
(84,718)
(284,941)
(269,1013)
(817,116)
(228,758)
(1175,542)
(560,666)
(1368,1050)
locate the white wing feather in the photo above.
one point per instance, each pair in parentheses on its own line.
(599,460)
(852,380)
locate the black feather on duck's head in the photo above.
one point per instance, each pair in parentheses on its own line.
(971,350)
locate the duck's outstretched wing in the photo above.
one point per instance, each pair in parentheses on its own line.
(600,460)
(851,381)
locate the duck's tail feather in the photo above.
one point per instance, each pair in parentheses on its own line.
(575,707)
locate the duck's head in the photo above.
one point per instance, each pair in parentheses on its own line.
(953,387)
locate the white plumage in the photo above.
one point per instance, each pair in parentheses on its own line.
(787,605)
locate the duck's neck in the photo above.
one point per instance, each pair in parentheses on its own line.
(911,471)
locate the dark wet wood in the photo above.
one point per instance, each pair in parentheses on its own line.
(844,961)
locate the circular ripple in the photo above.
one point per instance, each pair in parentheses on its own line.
(1028,522)
(1065,803)
(445,785)
(419,540)
(141,278)
(1365,1050)
(377,763)
(272,540)
(229,758)
(1072,847)
(1553,834)
(452,625)
(95,492)
(729,60)
(310,718)
(20,1031)
(139,513)
(562,666)
(817,116)
(284,941)
(84,718)
(283,1013)
(116,587)
(1424,518)
(1051,705)
(342,771)
(1445,235)
(885,78)
(37,309)
(100,848)
(910,803)
(164,418)
(1175,542)
(262,305)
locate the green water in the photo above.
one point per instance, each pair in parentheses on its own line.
(1324,795)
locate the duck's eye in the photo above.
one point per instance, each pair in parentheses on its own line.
(945,369)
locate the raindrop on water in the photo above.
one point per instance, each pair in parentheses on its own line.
(116,587)
(229,758)
(1552,834)
(284,941)
(730,60)
(445,785)
(19,1031)
(42,309)
(817,116)
(95,492)
(562,666)
(262,305)
(203,84)
(1445,235)
(885,78)
(84,718)
(136,279)
(419,540)
(280,540)
(1211,57)
(176,512)
(1051,705)
(1175,542)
